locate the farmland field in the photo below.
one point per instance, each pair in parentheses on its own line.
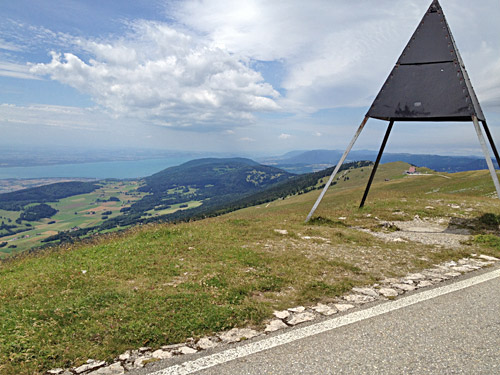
(78,211)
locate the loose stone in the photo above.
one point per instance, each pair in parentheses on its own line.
(275,325)
(388,292)
(415,276)
(452,274)
(424,283)
(186,350)
(343,306)
(281,314)
(161,354)
(114,369)
(237,334)
(358,299)
(366,291)
(55,371)
(405,287)
(324,309)
(205,343)
(487,257)
(90,365)
(301,318)
(297,309)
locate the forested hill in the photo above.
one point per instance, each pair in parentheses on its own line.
(16,200)
(223,176)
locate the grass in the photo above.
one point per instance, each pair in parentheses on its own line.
(160,284)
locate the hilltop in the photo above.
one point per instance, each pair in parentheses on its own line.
(159,284)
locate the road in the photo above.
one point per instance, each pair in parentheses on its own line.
(452,329)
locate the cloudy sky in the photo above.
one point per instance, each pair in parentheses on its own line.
(218,75)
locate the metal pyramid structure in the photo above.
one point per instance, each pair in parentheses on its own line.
(428,83)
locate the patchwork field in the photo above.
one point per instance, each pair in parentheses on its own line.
(79,211)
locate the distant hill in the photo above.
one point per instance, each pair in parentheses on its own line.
(309,161)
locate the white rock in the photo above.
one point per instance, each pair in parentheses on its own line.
(281,231)
(281,314)
(237,334)
(114,369)
(56,371)
(297,309)
(415,276)
(90,365)
(462,269)
(341,218)
(388,292)
(487,257)
(424,283)
(144,349)
(275,325)
(172,346)
(358,299)
(301,318)
(405,287)
(205,343)
(139,362)
(161,354)
(366,291)
(186,350)
(125,356)
(343,306)
(325,309)
(452,274)
(398,239)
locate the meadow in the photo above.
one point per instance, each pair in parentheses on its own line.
(159,284)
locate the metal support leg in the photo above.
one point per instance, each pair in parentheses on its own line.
(379,156)
(486,155)
(490,138)
(339,164)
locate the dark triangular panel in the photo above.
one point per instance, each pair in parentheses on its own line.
(429,81)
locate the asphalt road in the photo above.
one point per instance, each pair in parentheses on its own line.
(454,333)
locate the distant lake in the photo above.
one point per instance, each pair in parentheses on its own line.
(99,170)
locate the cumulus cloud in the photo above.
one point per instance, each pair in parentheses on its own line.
(164,75)
(335,53)
(284,136)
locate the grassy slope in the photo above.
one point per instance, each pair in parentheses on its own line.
(160,284)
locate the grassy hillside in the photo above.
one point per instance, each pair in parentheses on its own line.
(159,284)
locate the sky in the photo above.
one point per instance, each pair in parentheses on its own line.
(261,77)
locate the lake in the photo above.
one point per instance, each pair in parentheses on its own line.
(99,170)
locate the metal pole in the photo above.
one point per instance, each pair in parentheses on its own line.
(379,156)
(339,164)
(486,154)
(490,138)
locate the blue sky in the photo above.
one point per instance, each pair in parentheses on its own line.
(260,77)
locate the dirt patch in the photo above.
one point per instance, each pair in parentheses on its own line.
(426,231)
(50,233)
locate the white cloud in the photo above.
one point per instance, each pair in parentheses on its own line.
(61,117)
(163,75)
(317,134)
(9,69)
(338,53)
(284,136)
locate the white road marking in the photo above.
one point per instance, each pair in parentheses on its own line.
(193,366)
